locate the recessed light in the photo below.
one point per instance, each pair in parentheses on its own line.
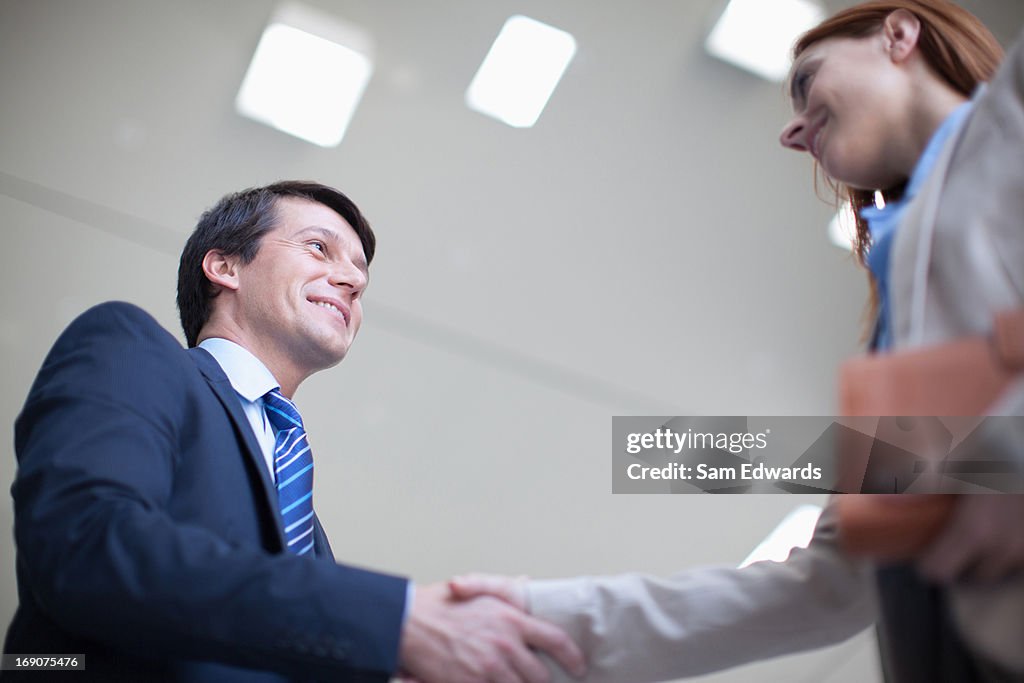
(795,531)
(842,229)
(520,71)
(758,35)
(307,76)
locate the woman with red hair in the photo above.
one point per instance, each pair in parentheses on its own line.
(887,99)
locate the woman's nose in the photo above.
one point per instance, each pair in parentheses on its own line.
(792,136)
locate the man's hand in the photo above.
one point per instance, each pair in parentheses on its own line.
(983,540)
(482,640)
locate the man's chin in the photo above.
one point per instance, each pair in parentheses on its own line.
(333,354)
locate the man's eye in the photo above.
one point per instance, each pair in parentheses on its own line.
(319,246)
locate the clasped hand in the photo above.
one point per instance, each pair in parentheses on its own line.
(452,637)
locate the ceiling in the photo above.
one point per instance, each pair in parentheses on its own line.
(647,248)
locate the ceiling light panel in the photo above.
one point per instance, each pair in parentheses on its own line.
(308,74)
(758,35)
(795,531)
(521,71)
(842,229)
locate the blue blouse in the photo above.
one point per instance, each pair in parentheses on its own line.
(883,222)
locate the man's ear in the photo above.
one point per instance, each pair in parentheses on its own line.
(902,29)
(220,269)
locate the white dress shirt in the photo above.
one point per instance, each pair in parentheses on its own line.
(250,379)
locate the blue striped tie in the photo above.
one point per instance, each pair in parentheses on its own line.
(293,466)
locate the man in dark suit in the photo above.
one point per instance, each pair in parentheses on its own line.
(163,501)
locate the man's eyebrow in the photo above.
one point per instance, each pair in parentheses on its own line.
(326,232)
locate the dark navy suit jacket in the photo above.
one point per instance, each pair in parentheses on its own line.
(147,530)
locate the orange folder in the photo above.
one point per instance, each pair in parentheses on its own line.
(959,378)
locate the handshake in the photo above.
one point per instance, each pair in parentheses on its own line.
(476,629)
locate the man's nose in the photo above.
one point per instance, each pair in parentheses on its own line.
(348,274)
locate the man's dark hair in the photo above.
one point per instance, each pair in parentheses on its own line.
(235,226)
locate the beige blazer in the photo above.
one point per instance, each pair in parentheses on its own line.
(958,258)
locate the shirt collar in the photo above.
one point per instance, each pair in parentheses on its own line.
(249,377)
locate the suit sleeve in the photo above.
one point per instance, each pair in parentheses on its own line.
(97,444)
(635,628)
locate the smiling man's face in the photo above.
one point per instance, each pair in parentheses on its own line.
(299,301)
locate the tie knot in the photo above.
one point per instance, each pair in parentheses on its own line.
(281,412)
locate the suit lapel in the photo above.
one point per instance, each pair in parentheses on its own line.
(322,547)
(220,385)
